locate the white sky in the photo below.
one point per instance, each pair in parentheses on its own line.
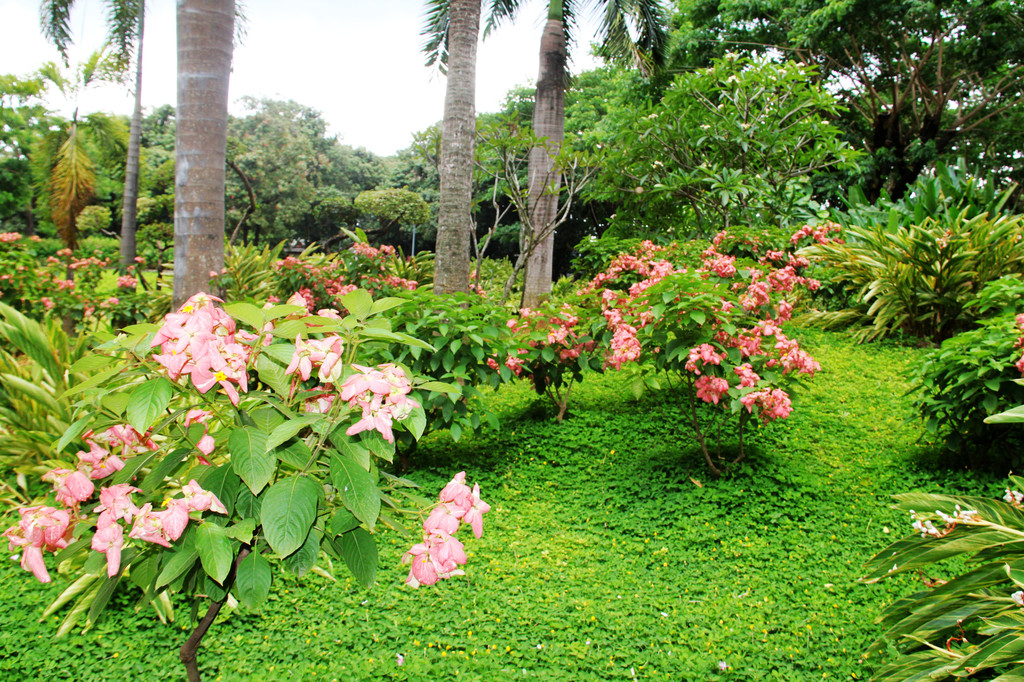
(357,61)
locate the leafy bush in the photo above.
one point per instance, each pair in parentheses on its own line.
(251,462)
(465,334)
(38,364)
(968,378)
(973,622)
(923,279)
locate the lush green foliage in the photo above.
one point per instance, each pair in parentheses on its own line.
(971,622)
(731,144)
(602,556)
(971,377)
(921,280)
(921,80)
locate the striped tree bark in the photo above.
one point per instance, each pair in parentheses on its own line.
(129,207)
(205,42)
(458,137)
(544,183)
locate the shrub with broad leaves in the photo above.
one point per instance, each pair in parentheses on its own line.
(969,378)
(224,441)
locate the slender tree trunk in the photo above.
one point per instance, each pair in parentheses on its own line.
(205,35)
(549,123)
(458,136)
(131,172)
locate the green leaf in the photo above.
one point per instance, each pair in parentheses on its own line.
(416,422)
(246,312)
(297,455)
(243,530)
(359,303)
(272,374)
(357,488)
(73,432)
(178,564)
(289,428)
(252,580)
(92,381)
(343,521)
(91,363)
(171,461)
(148,401)
(305,558)
(1013,415)
(288,512)
(360,554)
(250,458)
(353,449)
(214,547)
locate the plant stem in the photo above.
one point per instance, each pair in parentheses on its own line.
(190,649)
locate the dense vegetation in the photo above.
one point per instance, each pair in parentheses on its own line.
(603,526)
(790,289)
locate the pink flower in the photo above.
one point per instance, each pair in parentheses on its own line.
(116,504)
(110,540)
(711,389)
(201,500)
(72,487)
(40,528)
(444,518)
(149,526)
(475,515)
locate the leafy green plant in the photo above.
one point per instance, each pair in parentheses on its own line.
(39,363)
(965,380)
(921,280)
(729,145)
(250,461)
(974,621)
(465,334)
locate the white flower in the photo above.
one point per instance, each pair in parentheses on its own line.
(1018,597)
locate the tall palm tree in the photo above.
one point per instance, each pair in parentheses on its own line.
(63,160)
(630,29)
(125,23)
(205,45)
(453,28)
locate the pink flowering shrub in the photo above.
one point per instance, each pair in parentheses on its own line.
(552,348)
(323,278)
(222,441)
(716,325)
(66,285)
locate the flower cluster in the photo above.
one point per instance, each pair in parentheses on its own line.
(323,279)
(200,341)
(924,526)
(45,528)
(440,554)
(383,396)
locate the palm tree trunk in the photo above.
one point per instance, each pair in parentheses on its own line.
(458,137)
(131,172)
(549,123)
(205,37)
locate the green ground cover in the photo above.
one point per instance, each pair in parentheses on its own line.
(608,554)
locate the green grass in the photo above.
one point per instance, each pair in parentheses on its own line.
(609,553)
